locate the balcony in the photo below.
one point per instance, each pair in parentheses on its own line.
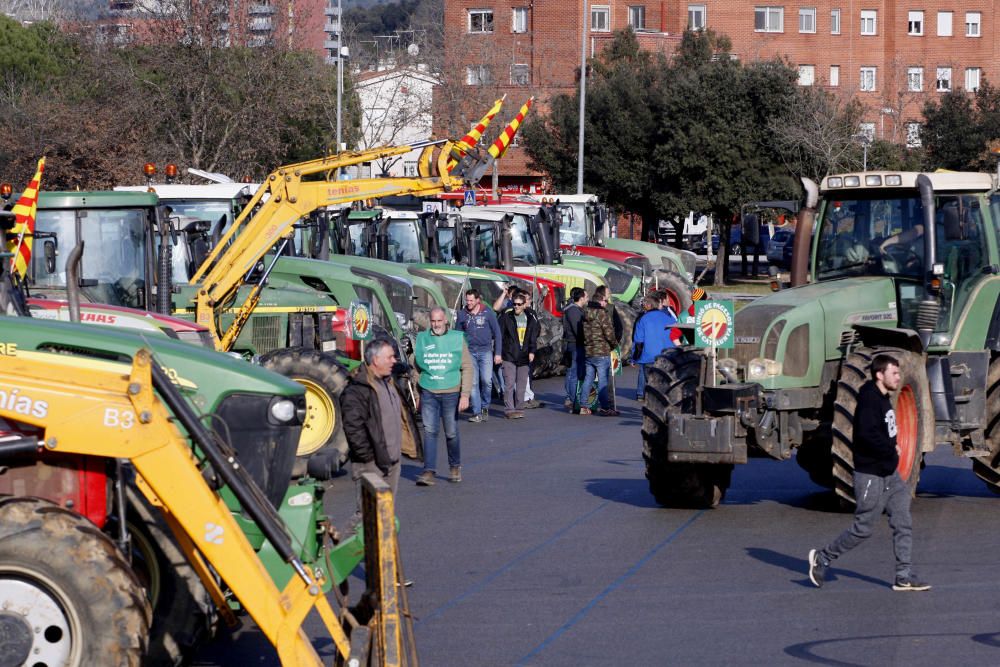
(259,24)
(332,11)
(332,44)
(261,10)
(332,27)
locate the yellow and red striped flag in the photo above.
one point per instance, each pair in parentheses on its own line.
(466,143)
(23,232)
(502,143)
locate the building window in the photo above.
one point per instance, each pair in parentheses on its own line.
(913,135)
(972,77)
(915,23)
(869,22)
(867,130)
(973,24)
(637,17)
(834,21)
(409,169)
(519,19)
(834,76)
(520,75)
(769,19)
(480,20)
(943,78)
(915,78)
(600,18)
(478,75)
(944,24)
(697,17)
(867,82)
(807,19)
(807,75)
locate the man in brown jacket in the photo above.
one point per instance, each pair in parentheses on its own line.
(598,341)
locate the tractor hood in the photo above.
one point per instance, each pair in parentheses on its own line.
(805,327)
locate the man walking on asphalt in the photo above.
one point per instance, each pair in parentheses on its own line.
(575,354)
(598,340)
(482,334)
(373,419)
(650,338)
(444,366)
(877,485)
(519,328)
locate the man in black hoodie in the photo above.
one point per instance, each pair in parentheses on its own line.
(576,355)
(877,485)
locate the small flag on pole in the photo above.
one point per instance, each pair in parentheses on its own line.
(22,234)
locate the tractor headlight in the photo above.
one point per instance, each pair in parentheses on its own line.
(758,369)
(283,410)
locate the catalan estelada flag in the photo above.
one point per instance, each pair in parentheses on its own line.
(22,234)
(502,143)
(466,143)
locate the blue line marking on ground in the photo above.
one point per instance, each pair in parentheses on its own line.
(607,591)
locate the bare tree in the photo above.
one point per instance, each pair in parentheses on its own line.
(817,135)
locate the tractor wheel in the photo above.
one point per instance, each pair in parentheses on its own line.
(981,466)
(914,417)
(324,379)
(671,383)
(184,615)
(66,595)
(548,352)
(678,290)
(623,316)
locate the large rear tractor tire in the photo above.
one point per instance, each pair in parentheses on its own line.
(677,289)
(324,379)
(184,615)
(67,596)
(623,316)
(981,466)
(914,417)
(549,349)
(671,383)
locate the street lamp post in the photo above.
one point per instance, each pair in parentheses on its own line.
(583,97)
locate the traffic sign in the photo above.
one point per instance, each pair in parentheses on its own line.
(470,198)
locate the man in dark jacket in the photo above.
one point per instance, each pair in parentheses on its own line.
(519,329)
(576,357)
(878,487)
(482,333)
(372,410)
(598,340)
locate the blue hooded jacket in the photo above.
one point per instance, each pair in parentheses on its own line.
(653,331)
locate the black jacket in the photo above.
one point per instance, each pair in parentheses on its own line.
(874,443)
(573,325)
(513,350)
(363,422)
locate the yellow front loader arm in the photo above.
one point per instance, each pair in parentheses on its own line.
(290,196)
(107,409)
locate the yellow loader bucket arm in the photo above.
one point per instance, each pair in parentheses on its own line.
(107,409)
(285,197)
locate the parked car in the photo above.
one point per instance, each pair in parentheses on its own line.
(736,237)
(776,248)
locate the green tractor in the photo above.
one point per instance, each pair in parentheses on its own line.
(905,264)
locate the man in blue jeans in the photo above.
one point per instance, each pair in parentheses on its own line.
(598,342)
(878,487)
(575,356)
(482,334)
(444,367)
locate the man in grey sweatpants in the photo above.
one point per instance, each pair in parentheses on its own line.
(878,487)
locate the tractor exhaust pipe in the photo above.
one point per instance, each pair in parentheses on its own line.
(73,281)
(803,234)
(930,306)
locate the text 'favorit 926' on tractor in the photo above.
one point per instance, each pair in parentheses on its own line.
(904,264)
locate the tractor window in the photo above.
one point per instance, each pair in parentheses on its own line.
(404,242)
(486,248)
(113,267)
(446,244)
(423,298)
(573,229)
(522,246)
(219,212)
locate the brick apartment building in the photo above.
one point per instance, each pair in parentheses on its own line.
(893,56)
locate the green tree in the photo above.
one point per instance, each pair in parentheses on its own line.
(952,135)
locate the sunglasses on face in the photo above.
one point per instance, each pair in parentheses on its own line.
(518,303)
